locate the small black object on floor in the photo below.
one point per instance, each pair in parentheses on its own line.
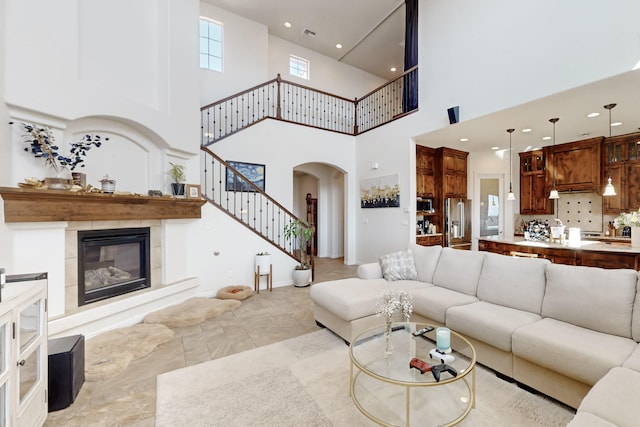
(66,370)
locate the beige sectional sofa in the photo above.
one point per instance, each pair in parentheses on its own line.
(566,331)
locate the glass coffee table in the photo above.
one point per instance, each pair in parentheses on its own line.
(388,391)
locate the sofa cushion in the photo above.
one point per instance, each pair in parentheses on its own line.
(585,419)
(370,270)
(633,362)
(398,266)
(348,299)
(459,270)
(426,260)
(591,297)
(612,398)
(489,323)
(433,302)
(579,353)
(522,288)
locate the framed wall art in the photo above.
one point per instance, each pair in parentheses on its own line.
(254,173)
(193,191)
(380,192)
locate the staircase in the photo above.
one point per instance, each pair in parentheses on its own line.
(236,194)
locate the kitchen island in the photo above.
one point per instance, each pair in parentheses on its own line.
(613,253)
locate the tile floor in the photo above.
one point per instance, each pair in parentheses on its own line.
(128,399)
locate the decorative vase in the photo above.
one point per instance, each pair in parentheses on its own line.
(62,180)
(177,189)
(388,345)
(264,263)
(635,237)
(301,278)
(108,184)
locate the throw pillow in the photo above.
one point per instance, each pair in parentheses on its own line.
(398,266)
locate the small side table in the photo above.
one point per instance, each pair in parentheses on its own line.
(258,274)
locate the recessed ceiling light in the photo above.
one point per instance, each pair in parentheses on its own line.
(495,148)
(464,139)
(546,138)
(614,124)
(287,24)
(393,69)
(526,130)
(339,46)
(591,115)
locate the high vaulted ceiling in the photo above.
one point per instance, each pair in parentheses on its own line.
(371,32)
(372,35)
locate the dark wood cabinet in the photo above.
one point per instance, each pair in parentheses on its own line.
(621,162)
(534,198)
(576,166)
(440,173)
(451,168)
(568,256)
(429,239)
(425,179)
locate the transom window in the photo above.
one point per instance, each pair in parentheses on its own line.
(299,67)
(210,45)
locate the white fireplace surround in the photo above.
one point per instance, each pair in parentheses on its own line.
(52,247)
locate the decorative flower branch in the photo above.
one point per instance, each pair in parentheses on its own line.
(631,219)
(392,301)
(42,145)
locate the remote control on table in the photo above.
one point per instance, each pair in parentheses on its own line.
(422,331)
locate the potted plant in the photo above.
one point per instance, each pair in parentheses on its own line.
(176,172)
(300,232)
(262,263)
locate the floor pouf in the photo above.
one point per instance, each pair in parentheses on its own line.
(235,292)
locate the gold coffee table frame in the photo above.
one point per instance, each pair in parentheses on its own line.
(388,375)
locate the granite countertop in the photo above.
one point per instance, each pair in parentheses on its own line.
(610,244)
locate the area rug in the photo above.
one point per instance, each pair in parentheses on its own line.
(108,354)
(304,381)
(191,312)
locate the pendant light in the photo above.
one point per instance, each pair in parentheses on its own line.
(609,190)
(553,195)
(510,196)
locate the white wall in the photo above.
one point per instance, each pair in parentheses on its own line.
(325,74)
(486,57)
(245,49)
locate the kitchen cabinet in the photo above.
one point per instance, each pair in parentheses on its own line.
(576,166)
(534,198)
(23,347)
(429,239)
(425,179)
(451,169)
(615,258)
(440,173)
(621,162)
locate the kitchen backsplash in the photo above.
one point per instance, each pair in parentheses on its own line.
(581,210)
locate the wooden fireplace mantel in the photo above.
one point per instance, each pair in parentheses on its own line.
(30,205)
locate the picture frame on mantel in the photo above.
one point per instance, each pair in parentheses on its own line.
(193,191)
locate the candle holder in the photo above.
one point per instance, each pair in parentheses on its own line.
(443,340)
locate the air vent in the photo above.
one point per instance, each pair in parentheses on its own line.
(307,32)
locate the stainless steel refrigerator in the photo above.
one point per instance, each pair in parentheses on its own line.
(457,223)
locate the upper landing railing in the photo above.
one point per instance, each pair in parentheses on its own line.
(290,102)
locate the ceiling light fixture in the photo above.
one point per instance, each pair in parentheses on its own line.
(591,115)
(393,69)
(339,46)
(526,130)
(287,24)
(546,138)
(553,195)
(510,195)
(464,139)
(609,189)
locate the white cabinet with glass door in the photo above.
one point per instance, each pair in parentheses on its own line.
(23,351)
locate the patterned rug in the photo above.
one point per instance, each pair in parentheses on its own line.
(304,381)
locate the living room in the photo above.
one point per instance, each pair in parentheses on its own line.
(129,72)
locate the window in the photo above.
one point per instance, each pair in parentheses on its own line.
(210,45)
(298,67)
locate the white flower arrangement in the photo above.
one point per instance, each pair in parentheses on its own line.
(631,219)
(393,301)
